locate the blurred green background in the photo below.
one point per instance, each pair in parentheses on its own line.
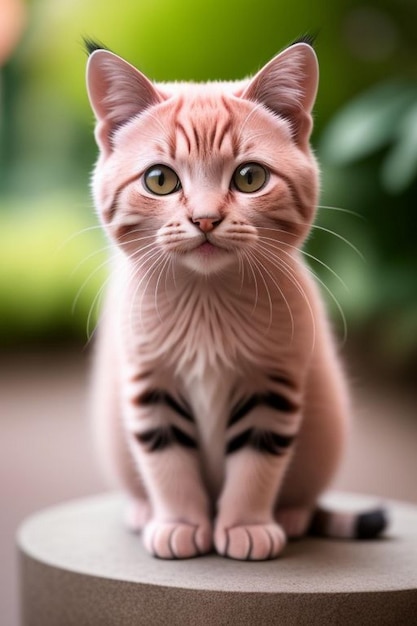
(52,259)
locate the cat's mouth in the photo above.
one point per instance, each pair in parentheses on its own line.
(207,248)
(207,257)
(210,249)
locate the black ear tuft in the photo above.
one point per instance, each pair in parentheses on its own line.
(91,45)
(308,38)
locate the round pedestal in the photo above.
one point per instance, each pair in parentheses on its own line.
(80,567)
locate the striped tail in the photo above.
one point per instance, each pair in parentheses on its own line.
(348,524)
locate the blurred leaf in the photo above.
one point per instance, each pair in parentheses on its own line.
(400,166)
(46,256)
(367,123)
(401,332)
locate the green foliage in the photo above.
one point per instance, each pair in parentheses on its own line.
(51,269)
(369,156)
(384,116)
(399,168)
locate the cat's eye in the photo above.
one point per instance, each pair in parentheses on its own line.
(249,177)
(161,180)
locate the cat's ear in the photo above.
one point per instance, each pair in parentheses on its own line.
(117,92)
(287,85)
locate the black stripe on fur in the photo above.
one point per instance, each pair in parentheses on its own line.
(157,439)
(279,402)
(273,400)
(240,410)
(273,443)
(239,441)
(260,440)
(182,409)
(182,438)
(158,396)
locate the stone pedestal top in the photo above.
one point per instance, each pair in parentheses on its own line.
(80,566)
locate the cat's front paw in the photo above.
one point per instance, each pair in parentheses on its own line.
(177,540)
(250,542)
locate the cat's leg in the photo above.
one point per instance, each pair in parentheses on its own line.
(164,447)
(245,527)
(295,520)
(138,513)
(257,457)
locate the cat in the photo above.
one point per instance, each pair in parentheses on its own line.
(220,404)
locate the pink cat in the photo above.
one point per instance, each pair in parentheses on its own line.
(219,400)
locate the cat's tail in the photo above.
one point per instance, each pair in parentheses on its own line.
(367,524)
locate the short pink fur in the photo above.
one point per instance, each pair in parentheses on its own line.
(213,325)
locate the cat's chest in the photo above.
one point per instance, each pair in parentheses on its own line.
(202,330)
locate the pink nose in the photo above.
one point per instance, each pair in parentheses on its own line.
(207,224)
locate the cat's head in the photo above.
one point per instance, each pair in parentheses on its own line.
(205,174)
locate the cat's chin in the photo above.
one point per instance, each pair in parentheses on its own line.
(207,259)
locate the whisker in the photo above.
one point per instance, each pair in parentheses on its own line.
(137,229)
(108,247)
(327,230)
(78,233)
(138,253)
(154,267)
(247,257)
(95,271)
(141,257)
(346,241)
(151,255)
(311,256)
(338,305)
(157,287)
(137,239)
(258,263)
(336,208)
(280,291)
(241,269)
(333,297)
(287,270)
(277,230)
(172,269)
(95,307)
(330,269)
(88,257)
(85,282)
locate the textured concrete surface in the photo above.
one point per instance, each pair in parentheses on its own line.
(79,566)
(46,455)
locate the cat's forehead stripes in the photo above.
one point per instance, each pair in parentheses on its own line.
(203,126)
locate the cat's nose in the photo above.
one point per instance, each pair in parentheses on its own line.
(207,224)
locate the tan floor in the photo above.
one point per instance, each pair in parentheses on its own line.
(46,454)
